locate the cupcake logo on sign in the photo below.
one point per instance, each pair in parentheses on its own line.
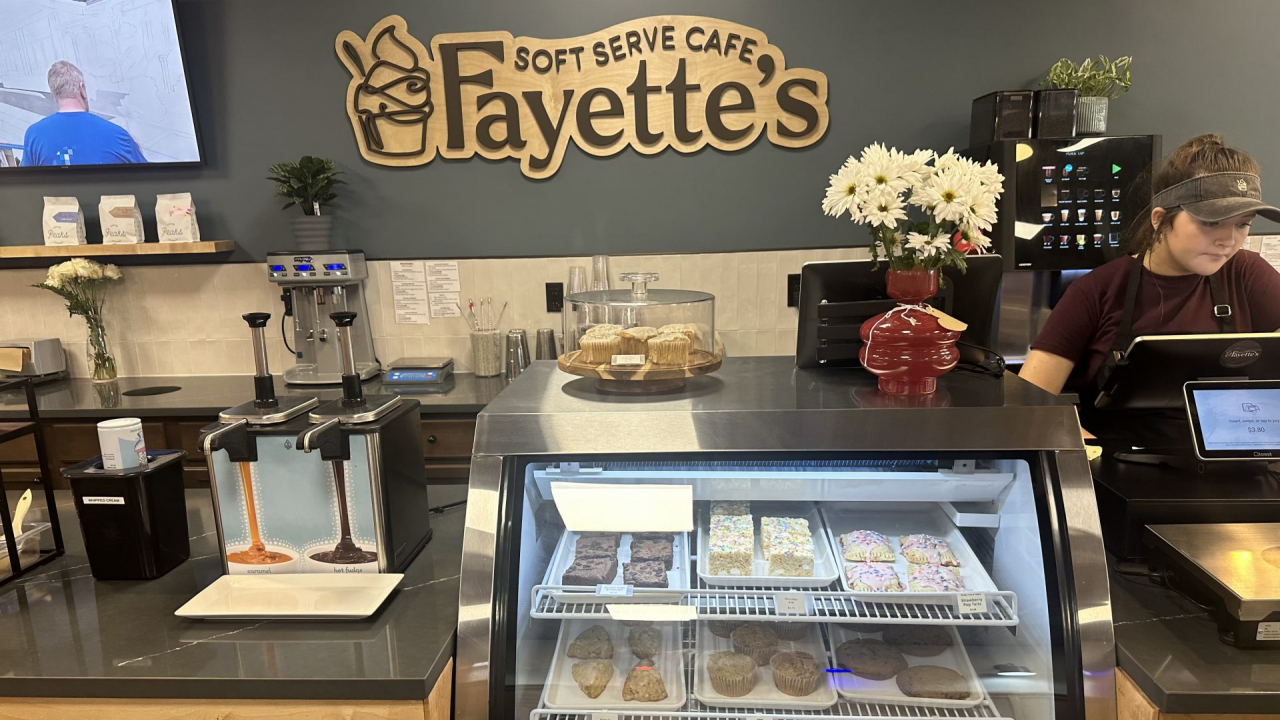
(650,84)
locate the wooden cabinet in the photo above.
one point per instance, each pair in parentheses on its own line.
(446,448)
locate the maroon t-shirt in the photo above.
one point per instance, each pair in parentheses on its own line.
(1083,326)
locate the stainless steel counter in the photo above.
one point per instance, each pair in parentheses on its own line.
(207,395)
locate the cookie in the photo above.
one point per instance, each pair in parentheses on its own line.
(593,643)
(871,659)
(645,642)
(644,684)
(918,640)
(932,681)
(592,676)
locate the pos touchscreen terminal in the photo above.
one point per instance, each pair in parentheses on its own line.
(1216,387)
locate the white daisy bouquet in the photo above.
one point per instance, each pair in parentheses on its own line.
(82,284)
(924,210)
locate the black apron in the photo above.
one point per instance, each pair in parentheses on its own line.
(1155,428)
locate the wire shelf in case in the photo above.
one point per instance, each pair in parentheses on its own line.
(831,604)
(561,691)
(895,520)
(826,568)
(677,576)
(861,689)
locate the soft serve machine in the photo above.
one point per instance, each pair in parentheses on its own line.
(300,487)
(316,286)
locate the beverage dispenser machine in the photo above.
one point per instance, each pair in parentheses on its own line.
(300,487)
(1067,206)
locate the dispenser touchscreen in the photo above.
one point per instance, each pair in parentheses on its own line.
(1239,419)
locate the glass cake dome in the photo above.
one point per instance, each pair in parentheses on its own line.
(639,327)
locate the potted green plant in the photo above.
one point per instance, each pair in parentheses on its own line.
(1098,82)
(308,183)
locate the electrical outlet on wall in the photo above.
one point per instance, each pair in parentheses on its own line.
(555,297)
(793,290)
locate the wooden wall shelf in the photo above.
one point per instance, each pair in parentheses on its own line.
(205,247)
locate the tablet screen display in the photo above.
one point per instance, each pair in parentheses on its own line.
(1238,419)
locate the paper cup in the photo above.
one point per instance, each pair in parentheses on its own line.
(122,444)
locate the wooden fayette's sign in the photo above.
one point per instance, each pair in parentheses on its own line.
(658,82)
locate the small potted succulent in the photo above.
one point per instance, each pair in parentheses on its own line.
(1098,82)
(308,183)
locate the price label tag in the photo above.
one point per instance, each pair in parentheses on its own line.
(614,590)
(1269,631)
(604,716)
(945,320)
(970,603)
(628,360)
(792,604)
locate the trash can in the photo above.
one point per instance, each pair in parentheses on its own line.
(134,521)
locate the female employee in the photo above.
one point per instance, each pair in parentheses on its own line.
(1187,273)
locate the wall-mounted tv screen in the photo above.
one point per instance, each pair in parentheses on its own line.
(93,83)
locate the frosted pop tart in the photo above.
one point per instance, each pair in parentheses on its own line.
(872,577)
(866,546)
(927,550)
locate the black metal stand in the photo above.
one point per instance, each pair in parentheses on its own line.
(11,431)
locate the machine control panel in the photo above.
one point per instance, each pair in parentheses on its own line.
(328,268)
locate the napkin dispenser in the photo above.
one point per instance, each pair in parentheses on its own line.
(32,357)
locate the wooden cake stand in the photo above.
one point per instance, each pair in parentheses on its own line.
(641,378)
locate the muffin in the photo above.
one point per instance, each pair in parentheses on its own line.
(790,630)
(723,628)
(795,673)
(689,330)
(645,642)
(866,628)
(593,643)
(757,640)
(871,659)
(635,341)
(604,329)
(732,674)
(932,681)
(592,676)
(599,349)
(918,640)
(644,683)
(669,349)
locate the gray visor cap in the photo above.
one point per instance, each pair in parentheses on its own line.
(1218,196)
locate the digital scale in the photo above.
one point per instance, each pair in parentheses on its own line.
(418,372)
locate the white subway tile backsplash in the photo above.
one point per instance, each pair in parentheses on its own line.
(176,320)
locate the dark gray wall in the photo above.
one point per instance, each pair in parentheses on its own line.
(268,87)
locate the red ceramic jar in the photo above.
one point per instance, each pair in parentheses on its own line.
(906,347)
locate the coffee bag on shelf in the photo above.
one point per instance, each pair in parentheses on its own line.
(121,220)
(63,221)
(176,218)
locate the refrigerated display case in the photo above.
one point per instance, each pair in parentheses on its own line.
(608,570)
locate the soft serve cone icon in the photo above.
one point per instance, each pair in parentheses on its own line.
(389,100)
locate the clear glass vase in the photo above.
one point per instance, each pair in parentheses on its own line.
(102,365)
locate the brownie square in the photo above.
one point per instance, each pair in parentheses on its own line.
(653,536)
(597,547)
(647,573)
(591,571)
(652,550)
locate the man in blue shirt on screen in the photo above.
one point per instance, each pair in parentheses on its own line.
(73,135)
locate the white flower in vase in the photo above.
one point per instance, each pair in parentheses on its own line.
(842,191)
(884,210)
(928,245)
